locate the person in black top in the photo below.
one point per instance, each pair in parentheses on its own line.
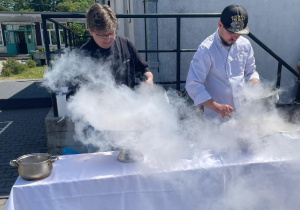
(125,62)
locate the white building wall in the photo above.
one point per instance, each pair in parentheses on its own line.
(125,26)
(274,22)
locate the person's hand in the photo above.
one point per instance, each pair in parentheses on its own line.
(254,81)
(222,109)
(149,78)
(149,81)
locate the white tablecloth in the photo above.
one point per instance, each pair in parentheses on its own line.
(99,181)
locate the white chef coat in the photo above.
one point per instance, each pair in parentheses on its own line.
(219,72)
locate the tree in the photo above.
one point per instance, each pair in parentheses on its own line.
(81,31)
(46,5)
(74,5)
(20,5)
(6,5)
(3,8)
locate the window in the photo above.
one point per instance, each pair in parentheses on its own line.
(61,34)
(10,38)
(64,24)
(9,27)
(28,27)
(50,26)
(53,37)
(29,37)
(52,33)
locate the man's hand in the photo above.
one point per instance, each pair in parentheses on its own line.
(254,81)
(149,79)
(222,109)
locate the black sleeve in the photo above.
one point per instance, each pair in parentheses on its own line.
(141,66)
(74,84)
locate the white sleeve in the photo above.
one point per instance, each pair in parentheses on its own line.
(199,68)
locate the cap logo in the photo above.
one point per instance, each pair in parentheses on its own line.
(237,23)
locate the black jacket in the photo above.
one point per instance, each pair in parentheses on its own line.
(125,62)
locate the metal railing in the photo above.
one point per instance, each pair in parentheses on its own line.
(72,41)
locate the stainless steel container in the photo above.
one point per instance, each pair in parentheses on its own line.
(269,99)
(34,166)
(130,156)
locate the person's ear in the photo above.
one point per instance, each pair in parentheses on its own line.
(91,32)
(220,24)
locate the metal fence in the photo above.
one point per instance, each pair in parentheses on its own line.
(71,40)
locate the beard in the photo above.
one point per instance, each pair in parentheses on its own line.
(225,42)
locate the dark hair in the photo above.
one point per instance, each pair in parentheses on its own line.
(101,17)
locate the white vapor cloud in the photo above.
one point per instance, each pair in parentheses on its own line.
(166,129)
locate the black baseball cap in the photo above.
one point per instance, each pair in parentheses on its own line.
(235,19)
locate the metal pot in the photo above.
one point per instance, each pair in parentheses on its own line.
(268,99)
(130,156)
(34,166)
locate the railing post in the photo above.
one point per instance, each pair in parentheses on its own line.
(297,100)
(70,38)
(178,53)
(279,74)
(75,40)
(57,36)
(146,40)
(65,38)
(47,49)
(46,40)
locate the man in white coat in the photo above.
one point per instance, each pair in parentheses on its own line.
(223,63)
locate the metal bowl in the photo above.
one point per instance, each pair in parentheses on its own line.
(34,166)
(268,99)
(130,156)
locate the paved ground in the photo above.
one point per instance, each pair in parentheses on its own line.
(22,131)
(22,88)
(21,93)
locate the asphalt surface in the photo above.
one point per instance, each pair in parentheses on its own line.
(18,94)
(22,131)
(22,127)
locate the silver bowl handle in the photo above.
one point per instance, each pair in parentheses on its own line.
(53,159)
(14,163)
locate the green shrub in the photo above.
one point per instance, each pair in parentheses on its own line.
(6,72)
(10,63)
(12,66)
(42,49)
(31,63)
(19,68)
